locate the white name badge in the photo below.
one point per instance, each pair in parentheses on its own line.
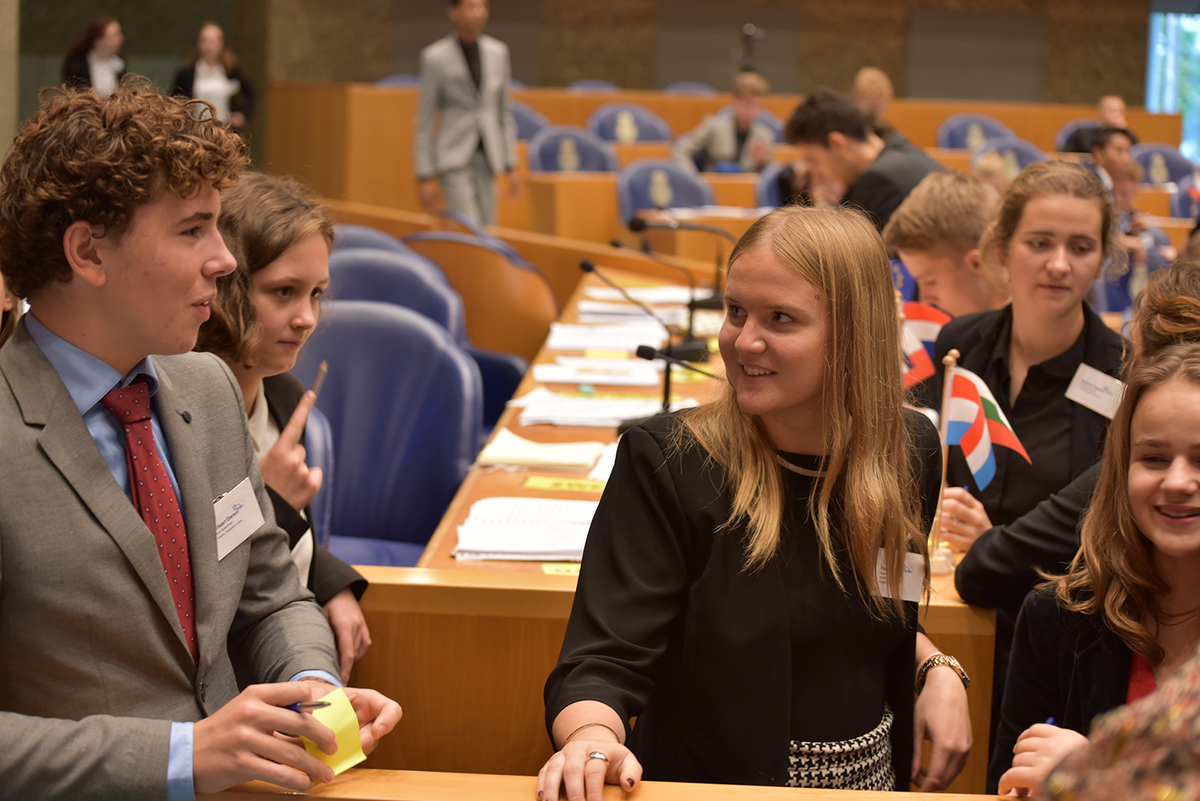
(1094,390)
(238,516)
(913,581)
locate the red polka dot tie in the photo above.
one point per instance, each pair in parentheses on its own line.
(155,498)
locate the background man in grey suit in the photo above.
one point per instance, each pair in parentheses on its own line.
(110,686)
(465,77)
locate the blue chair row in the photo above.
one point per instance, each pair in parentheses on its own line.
(1162,163)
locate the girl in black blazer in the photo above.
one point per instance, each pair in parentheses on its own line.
(1127,614)
(261,317)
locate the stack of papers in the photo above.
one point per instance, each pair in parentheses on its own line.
(525,529)
(648,294)
(626,337)
(615,372)
(598,311)
(506,448)
(543,407)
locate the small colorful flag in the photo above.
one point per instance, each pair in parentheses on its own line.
(974,421)
(919,332)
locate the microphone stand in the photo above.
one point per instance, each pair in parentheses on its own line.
(691,349)
(717,299)
(697,355)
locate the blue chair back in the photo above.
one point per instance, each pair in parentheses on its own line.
(528,120)
(1186,200)
(318,452)
(627,123)
(1017,153)
(1064,133)
(592,85)
(399,79)
(966,131)
(659,184)
(404,406)
(567,148)
(405,279)
(766,190)
(1162,163)
(689,88)
(347,236)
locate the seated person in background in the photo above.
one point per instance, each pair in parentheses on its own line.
(936,232)
(261,317)
(1110,113)
(1123,618)
(128,629)
(1111,154)
(795,185)
(1054,229)
(731,142)
(839,144)
(992,169)
(725,528)
(873,91)
(1149,248)
(10,311)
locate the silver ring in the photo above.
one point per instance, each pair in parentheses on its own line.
(598,755)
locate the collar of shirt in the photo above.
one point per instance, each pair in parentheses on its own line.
(1062,366)
(86,378)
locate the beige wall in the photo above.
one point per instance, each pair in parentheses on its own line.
(10,18)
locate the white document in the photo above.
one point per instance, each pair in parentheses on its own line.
(614,372)
(650,294)
(627,337)
(603,469)
(543,407)
(507,448)
(526,529)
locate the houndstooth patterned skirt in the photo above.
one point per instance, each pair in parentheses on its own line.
(863,763)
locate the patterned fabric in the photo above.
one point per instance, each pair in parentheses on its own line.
(863,763)
(155,499)
(1149,749)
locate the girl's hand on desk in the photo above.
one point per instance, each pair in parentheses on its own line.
(942,717)
(1038,751)
(963,518)
(582,776)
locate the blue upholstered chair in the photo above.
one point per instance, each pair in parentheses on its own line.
(1017,153)
(318,452)
(404,406)
(399,79)
(1186,200)
(766,191)
(689,88)
(966,131)
(414,282)
(592,85)
(347,236)
(1162,163)
(659,184)
(568,148)
(528,120)
(627,123)
(1070,127)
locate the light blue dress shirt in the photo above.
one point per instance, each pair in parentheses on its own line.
(88,380)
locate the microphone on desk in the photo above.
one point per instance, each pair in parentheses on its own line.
(650,354)
(693,303)
(691,349)
(717,300)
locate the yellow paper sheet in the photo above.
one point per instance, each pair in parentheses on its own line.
(560,568)
(564,484)
(340,717)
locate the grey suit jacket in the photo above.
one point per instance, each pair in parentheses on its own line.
(716,138)
(468,114)
(94,665)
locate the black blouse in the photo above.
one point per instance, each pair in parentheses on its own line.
(720,666)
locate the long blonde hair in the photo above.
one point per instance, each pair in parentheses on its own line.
(867,473)
(1114,574)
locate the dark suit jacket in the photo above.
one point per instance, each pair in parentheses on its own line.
(243,101)
(1064,665)
(94,666)
(328,575)
(885,183)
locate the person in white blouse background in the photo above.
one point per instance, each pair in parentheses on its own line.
(94,59)
(212,74)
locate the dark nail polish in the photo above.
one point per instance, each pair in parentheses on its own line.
(629,782)
(539,795)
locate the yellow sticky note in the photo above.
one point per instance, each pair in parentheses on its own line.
(560,568)
(340,717)
(564,484)
(593,353)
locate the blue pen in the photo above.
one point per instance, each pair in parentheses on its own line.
(1050,721)
(307,706)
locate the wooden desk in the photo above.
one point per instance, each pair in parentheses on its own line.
(365,784)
